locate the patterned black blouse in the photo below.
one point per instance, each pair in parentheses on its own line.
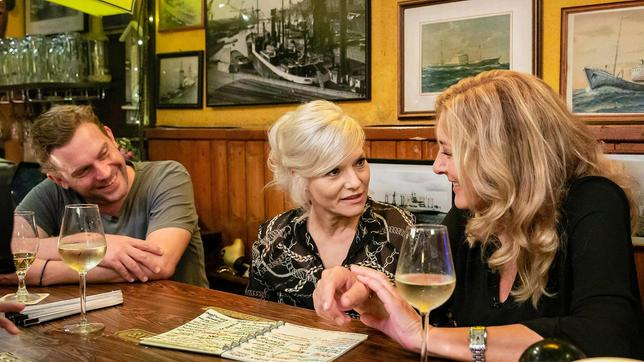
(287,265)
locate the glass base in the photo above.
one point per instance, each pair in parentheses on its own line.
(86,328)
(22,298)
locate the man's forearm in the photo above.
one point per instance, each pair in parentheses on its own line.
(48,248)
(57,272)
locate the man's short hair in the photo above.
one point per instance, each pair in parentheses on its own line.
(56,127)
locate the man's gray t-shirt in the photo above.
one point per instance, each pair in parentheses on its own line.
(161,197)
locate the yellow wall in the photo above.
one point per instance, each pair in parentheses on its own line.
(381,109)
(16,24)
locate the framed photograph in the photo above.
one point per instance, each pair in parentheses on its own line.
(180,80)
(442,42)
(413,185)
(602,61)
(634,166)
(287,51)
(181,14)
(44,17)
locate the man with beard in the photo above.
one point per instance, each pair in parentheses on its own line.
(147,208)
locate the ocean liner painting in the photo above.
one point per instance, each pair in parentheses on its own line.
(606,67)
(456,49)
(286,51)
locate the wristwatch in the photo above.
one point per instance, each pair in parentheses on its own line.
(478,343)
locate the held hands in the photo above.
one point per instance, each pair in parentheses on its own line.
(402,323)
(131,258)
(337,292)
(341,289)
(4,322)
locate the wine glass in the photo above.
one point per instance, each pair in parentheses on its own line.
(425,272)
(24,247)
(82,246)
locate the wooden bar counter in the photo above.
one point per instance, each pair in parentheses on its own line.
(158,307)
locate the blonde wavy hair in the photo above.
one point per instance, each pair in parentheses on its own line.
(517,148)
(309,142)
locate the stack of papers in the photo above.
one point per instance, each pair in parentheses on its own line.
(35,314)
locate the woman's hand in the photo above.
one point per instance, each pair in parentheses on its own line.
(4,322)
(400,322)
(337,292)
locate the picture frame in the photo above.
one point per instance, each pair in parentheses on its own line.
(44,17)
(634,167)
(443,41)
(180,80)
(291,52)
(412,185)
(604,82)
(175,15)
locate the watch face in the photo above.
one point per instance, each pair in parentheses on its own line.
(477,337)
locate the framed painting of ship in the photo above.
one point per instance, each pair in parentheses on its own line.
(602,61)
(181,14)
(180,80)
(274,51)
(442,42)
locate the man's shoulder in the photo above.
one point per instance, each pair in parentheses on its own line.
(159,166)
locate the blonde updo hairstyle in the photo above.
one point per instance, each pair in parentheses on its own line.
(517,148)
(309,142)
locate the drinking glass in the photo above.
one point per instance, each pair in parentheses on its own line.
(24,247)
(82,246)
(425,272)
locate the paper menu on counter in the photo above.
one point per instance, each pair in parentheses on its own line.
(244,340)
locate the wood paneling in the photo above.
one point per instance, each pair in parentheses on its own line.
(229,171)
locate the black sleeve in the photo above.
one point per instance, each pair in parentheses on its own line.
(605,314)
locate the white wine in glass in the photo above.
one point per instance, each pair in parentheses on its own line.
(82,246)
(425,272)
(24,247)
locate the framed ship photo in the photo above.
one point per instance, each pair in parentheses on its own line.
(180,14)
(180,80)
(602,61)
(44,17)
(442,42)
(271,52)
(412,185)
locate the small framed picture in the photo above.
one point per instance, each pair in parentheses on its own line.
(180,80)
(44,17)
(181,14)
(412,185)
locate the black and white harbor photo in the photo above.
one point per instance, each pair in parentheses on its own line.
(286,51)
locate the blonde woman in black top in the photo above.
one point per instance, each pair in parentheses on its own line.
(541,233)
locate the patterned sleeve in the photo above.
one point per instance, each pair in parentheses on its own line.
(257,286)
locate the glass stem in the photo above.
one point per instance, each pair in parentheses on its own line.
(423,336)
(22,288)
(83,317)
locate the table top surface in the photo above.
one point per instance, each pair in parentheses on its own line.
(158,307)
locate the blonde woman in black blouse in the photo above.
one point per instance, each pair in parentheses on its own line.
(317,157)
(541,233)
